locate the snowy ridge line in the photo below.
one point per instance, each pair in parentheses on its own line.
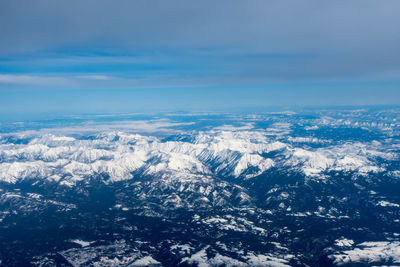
(240,153)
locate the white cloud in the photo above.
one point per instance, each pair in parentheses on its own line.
(95,77)
(32,80)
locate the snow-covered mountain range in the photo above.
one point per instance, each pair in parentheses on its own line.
(259,189)
(120,155)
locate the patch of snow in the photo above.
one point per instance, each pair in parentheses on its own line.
(81,242)
(384,203)
(369,253)
(344,242)
(145,261)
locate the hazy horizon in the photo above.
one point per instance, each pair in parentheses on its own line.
(99,56)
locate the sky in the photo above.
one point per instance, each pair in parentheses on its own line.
(102,56)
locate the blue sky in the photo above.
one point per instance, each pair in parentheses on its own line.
(129,56)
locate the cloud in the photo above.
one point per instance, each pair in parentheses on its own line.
(293,53)
(307,24)
(94,81)
(32,80)
(343,38)
(95,77)
(139,126)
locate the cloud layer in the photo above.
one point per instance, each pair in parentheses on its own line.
(292,53)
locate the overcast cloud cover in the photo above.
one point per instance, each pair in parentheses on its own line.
(182,54)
